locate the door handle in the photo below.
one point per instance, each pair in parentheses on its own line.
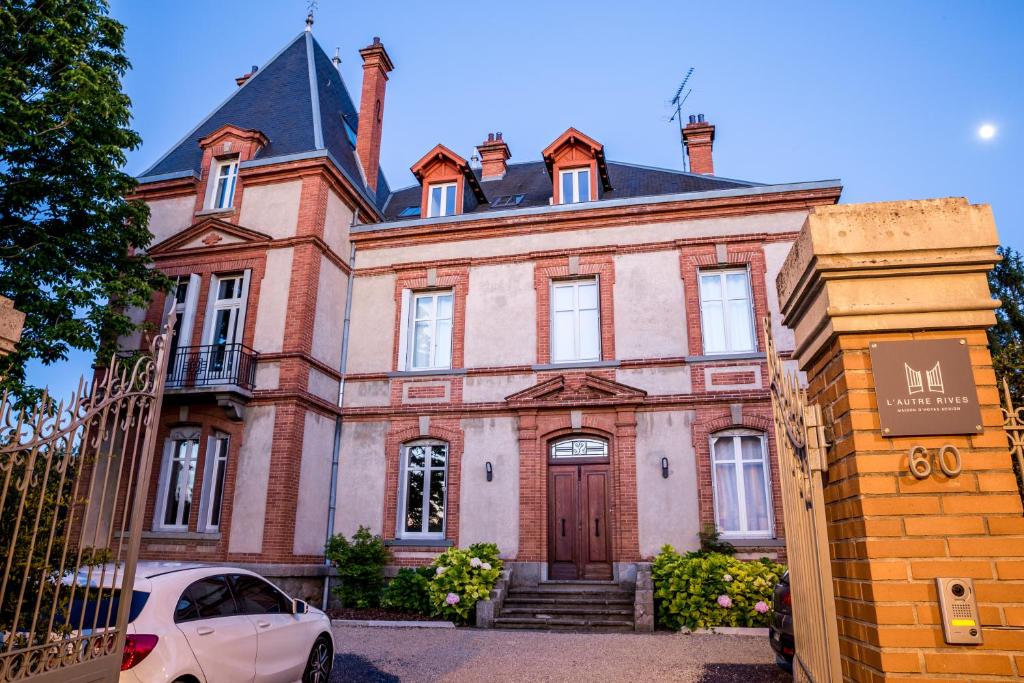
(597,526)
(563,526)
(204,631)
(263,624)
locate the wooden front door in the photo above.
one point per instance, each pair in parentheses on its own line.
(579,537)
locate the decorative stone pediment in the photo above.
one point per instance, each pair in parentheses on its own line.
(206,233)
(576,389)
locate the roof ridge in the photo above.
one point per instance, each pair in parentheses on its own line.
(314,94)
(221,105)
(685,173)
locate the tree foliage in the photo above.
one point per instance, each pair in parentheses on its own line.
(1006,338)
(69,241)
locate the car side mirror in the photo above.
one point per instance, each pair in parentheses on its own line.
(299,606)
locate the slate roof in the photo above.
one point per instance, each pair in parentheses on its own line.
(278,100)
(531,179)
(300,102)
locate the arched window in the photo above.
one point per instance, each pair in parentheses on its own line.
(424,489)
(742,494)
(579,447)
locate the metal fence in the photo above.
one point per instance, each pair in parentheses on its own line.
(802,446)
(1013,421)
(72,500)
(212,365)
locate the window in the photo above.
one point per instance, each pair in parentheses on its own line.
(225,175)
(226,315)
(441,200)
(579,447)
(740,473)
(575,185)
(178,477)
(215,468)
(256,596)
(206,599)
(431,330)
(726,312)
(409,211)
(576,321)
(180,294)
(350,132)
(424,490)
(508,200)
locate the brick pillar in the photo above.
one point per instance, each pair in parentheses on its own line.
(860,275)
(11,321)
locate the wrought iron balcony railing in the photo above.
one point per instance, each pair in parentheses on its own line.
(212,365)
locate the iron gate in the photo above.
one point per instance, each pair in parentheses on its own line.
(72,498)
(800,436)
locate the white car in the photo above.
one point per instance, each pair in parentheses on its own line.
(193,623)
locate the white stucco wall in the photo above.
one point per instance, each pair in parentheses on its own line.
(314,485)
(272,209)
(361,472)
(248,511)
(268,375)
(489,510)
(170,216)
(494,388)
(371,342)
(273,305)
(668,508)
(330,313)
(336,225)
(364,394)
(657,381)
(774,256)
(650,320)
(500,299)
(323,386)
(570,239)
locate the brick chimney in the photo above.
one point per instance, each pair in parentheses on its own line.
(244,77)
(699,138)
(376,65)
(493,155)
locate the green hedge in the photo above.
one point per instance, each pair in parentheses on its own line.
(702,590)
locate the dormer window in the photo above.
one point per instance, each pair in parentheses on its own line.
(575,185)
(225,175)
(442,200)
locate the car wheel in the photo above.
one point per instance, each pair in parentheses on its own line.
(321,659)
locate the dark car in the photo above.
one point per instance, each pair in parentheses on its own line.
(780,631)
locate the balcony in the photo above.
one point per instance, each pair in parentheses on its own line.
(227,372)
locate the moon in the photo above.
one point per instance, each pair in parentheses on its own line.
(986,131)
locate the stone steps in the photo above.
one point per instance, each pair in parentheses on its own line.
(589,606)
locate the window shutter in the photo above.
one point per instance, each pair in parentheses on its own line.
(244,305)
(211,299)
(403,330)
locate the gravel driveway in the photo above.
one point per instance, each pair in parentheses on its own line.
(389,655)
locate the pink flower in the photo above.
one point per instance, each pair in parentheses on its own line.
(761,607)
(724,601)
(452,599)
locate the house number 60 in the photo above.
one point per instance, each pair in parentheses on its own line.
(947,457)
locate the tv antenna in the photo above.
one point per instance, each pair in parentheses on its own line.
(678,101)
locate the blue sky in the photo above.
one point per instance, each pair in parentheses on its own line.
(887,96)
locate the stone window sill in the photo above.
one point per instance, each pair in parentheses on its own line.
(215,212)
(420,542)
(182,536)
(755,542)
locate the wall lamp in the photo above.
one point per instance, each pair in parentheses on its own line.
(489,469)
(664,468)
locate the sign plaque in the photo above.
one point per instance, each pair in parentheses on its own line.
(925,387)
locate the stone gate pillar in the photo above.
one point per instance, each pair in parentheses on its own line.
(859,279)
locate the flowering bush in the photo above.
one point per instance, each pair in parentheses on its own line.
(461,577)
(701,590)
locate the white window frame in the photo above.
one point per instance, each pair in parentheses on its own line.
(186,315)
(219,165)
(215,465)
(410,329)
(736,435)
(575,173)
(576,329)
(403,490)
(442,208)
(722,275)
(178,435)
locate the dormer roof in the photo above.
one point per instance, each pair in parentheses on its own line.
(574,138)
(441,154)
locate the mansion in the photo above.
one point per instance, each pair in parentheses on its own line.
(542,348)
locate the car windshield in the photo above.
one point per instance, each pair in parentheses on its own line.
(100,611)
